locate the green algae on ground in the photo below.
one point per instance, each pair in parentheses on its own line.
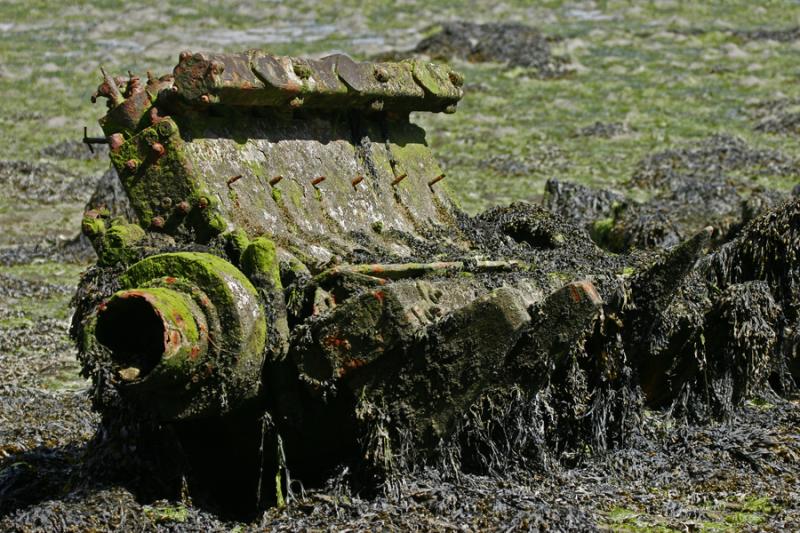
(670,71)
(165,513)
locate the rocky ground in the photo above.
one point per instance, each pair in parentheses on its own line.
(636,99)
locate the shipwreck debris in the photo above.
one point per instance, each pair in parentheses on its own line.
(295,324)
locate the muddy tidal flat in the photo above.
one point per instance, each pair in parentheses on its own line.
(642,100)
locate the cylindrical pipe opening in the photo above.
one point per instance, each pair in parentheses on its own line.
(132,327)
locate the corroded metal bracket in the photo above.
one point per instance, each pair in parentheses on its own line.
(258,79)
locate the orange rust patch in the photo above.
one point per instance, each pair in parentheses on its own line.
(379,295)
(170,280)
(348,365)
(174,337)
(335,342)
(575,294)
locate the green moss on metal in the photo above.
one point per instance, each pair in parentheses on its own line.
(93,227)
(204,269)
(261,258)
(237,339)
(117,243)
(165,173)
(236,242)
(175,309)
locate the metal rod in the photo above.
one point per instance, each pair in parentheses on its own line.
(398,179)
(89,141)
(436,180)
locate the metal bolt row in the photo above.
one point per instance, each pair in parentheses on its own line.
(354,182)
(182,208)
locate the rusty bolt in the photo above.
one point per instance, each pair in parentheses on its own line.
(174,88)
(166,202)
(154,116)
(203,202)
(158,149)
(381,74)
(377,105)
(217,67)
(357,180)
(133,86)
(398,179)
(274,181)
(295,102)
(317,181)
(186,54)
(131,165)
(233,179)
(456,78)
(157,222)
(205,99)
(115,141)
(183,207)
(436,180)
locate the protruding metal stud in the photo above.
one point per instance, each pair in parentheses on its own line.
(357,180)
(205,99)
(381,74)
(317,181)
(115,141)
(158,149)
(435,180)
(398,179)
(217,67)
(234,179)
(113,88)
(274,181)
(155,118)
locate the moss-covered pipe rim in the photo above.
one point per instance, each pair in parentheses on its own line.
(204,326)
(150,329)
